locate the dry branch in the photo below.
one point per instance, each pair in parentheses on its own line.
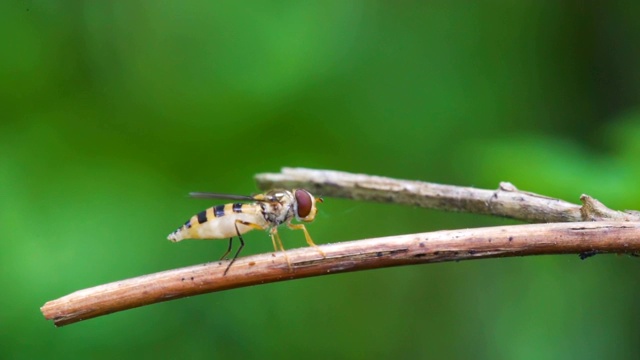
(506,201)
(451,245)
(614,232)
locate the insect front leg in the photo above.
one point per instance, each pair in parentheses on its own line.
(306,236)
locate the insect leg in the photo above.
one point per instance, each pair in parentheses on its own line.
(237,252)
(276,238)
(229,249)
(255,226)
(306,235)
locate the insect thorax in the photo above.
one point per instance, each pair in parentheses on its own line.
(278,212)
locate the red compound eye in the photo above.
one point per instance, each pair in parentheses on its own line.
(305,201)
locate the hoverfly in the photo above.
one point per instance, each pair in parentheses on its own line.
(265,212)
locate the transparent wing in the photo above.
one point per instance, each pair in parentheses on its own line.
(208,195)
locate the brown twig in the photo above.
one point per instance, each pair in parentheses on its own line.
(506,201)
(580,238)
(585,238)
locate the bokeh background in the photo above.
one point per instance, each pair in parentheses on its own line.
(112,111)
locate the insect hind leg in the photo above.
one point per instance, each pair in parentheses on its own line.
(246,223)
(229,249)
(236,255)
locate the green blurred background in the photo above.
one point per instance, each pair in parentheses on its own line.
(113,111)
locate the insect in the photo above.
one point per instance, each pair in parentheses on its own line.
(265,212)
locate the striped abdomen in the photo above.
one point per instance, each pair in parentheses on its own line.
(219,222)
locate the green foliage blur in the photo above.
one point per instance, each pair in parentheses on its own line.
(112,111)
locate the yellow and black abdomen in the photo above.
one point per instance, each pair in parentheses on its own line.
(221,222)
